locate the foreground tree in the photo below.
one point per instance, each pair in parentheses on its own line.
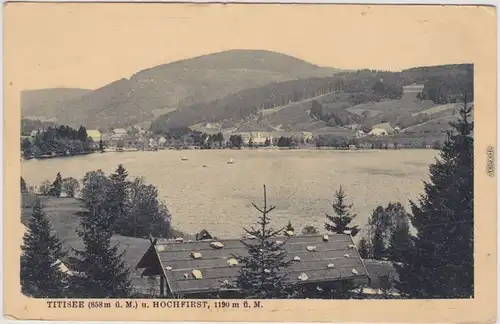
(70,186)
(41,254)
(103,273)
(118,198)
(146,214)
(263,273)
(388,219)
(56,187)
(340,222)
(399,244)
(364,249)
(441,264)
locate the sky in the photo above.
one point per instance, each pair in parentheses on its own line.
(87,45)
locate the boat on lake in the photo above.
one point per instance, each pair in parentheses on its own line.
(231,161)
(184,158)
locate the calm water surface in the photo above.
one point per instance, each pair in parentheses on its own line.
(218,197)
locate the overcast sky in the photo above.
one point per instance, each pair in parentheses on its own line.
(91,45)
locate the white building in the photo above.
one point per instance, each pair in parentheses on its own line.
(378,132)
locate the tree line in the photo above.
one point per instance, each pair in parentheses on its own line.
(362,86)
(62,140)
(114,205)
(436,261)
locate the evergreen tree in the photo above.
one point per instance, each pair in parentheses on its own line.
(364,248)
(250,142)
(41,254)
(24,188)
(119,198)
(267,142)
(399,244)
(379,251)
(56,187)
(263,273)
(343,215)
(104,274)
(441,264)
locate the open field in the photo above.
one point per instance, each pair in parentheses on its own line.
(218,197)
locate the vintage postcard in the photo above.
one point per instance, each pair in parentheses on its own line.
(250,162)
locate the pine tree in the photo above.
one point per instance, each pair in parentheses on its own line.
(267,142)
(250,142)
(263,273)
(119,198)
(399,244)
(343,215)
(289,227)
(56,187)
(41,254)
(104,272)
(441,264)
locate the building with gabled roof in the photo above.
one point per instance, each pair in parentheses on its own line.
(203,268)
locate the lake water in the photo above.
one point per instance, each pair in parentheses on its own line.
(218,197)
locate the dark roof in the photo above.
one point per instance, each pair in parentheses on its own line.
(378,268)
(178,263)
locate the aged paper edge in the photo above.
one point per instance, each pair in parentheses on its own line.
(481,50)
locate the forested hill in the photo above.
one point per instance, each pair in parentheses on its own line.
(157,90)
(364,97)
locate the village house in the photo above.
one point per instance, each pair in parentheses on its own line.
(200,268)
(208,268)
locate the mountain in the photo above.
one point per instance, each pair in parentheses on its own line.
(168,87)
(362,99)
(44,103)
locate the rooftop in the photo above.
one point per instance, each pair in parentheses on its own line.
(320,259)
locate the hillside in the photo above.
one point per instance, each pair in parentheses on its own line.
(168,87)
(360,99)
(45,103)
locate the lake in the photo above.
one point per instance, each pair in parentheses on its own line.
(219,196)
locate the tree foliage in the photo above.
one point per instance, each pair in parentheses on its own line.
(56,187)
(146,214)
(341,220)
(103,272)
(62,140)
(41,254)
(70,186)
(263,273)
(441,264)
